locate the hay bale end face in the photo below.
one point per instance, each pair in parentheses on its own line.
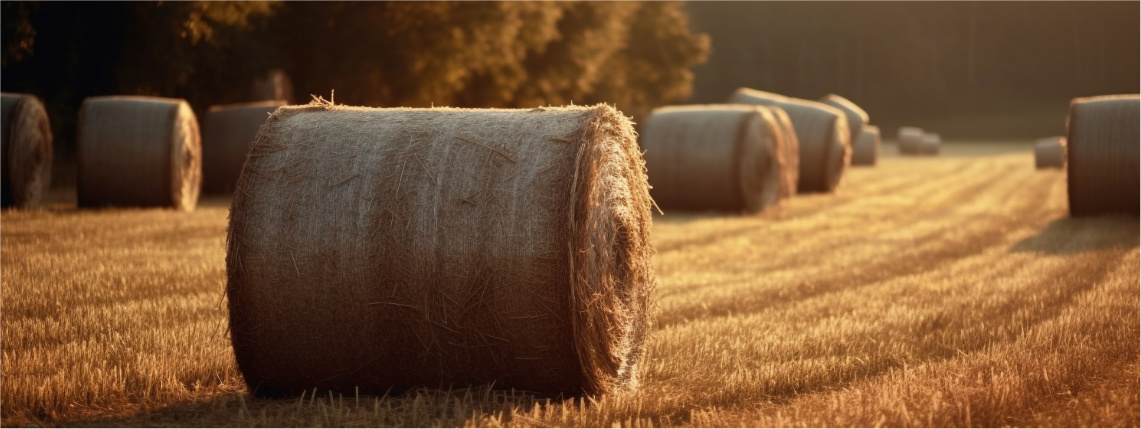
(26,150)
(714,157)
(866,149)
(857,117)
(930,144)
(1102,154)
(398,248)
(822,133)
(910,140)
(227,133)
(1050,152)
(790,146)
(138,151)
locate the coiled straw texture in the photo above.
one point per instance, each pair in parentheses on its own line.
(26,150)
(1102,154)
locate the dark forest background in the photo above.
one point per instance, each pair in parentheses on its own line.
(969,70)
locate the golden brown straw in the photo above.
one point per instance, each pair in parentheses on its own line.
(1102,154)
(857,117)
(394,248)
(713,157)
(866,149)
(910,140)
(790,147)
(138,151)
(226,136)
(1050,152)
(821,131)
(26,152)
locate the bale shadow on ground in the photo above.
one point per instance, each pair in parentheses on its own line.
(1069,236)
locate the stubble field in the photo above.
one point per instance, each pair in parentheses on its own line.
(946,291)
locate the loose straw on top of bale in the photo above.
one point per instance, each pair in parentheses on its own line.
(821,131)
(866,149)
(910,140)
(138,151)
(394,248)
(26,150)
(227,133)
(790,147)
(1050,152)
(857,117)
(713,157)
(1102,154)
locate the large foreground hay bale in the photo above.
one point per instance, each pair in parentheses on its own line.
(910,140)
(227,133)
(138,151)
(821,131)
(713,157)
(393,248)
(1050,152)
(866,149)
(1102,154)
(929,144)
(25,151)
(857,117)
(790,147)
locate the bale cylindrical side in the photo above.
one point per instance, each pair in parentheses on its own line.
(909,140)
(866,149)
(227,133)
(713,157)
(930,143)
(1102,154)
(857,117)
(138,151)
(790,147)
(1050,152)
(25,150)
(397,248)
(821,131)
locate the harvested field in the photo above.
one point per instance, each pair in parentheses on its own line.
(931,291)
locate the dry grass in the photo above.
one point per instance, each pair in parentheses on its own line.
(949,291)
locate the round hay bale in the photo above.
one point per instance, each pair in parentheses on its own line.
(227,133)
(1050,152)
(790,147)
(25,151)
(397,248)
(138,151)
(930,143)
(1102,154)
(866,149)
(857,117)
(275,85)
(821,131)
(713,157)
(910,140)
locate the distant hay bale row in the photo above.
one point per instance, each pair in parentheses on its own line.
(1050,152)
(866,149)
(25,151)
(138,151)
(1102,154)
(397,248)
(822,134)
(227,134)
(910,140)
(790,148)
(275,85)
(930,144)
(857,117)
(714,157)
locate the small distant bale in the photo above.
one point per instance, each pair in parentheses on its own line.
(790,147)
(857,117)
(26,150)
(227,133)
(1102,154)
(714,157)
(1050,152)
(822,134)
(274,85)
(930,144)
(376,250)
(910,140)
(138,151)
(866,149)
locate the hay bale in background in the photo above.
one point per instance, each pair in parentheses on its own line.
(25,151)
(857,117)
(227,133)
(930,144)
(713,157)
(1050,152)
(396,248)
(790,148)
(909,140)
(138,151)
(1102,154)
(274,85)
(866,149)
(821,131)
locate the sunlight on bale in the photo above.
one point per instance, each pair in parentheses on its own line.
(857,117)
(1050,152)
(26,150)
(714,157)
(1102,151)
(790,148)
(866,149)
(227,133)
